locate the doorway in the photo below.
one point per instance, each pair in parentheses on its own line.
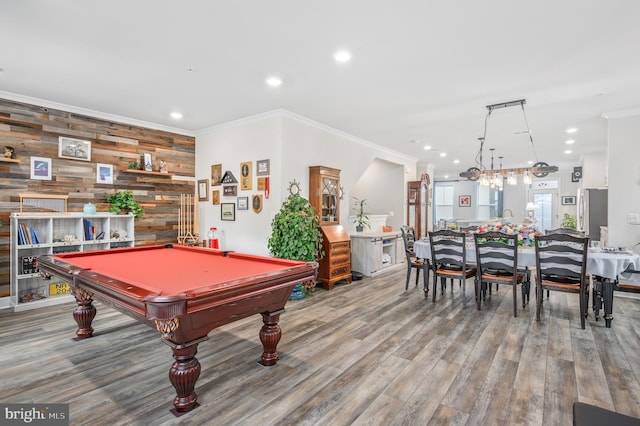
(546,208)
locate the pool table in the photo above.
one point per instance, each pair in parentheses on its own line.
(185,292)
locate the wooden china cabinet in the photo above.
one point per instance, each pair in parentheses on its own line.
(417,212)
(324,196)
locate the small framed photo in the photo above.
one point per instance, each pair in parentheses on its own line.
(215,196)
(568,199)
(256,203)
(245,176)
(464,201)
(203,190)
(216,174)
(262,167)
(75,149)
(228,211)
(230,190)
(40,168)
(104,173)
(148,162)
(243,203)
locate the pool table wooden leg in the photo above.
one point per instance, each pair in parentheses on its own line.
(184,374)
(270,335)
(84,313)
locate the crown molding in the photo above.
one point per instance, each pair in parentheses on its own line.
(622,113)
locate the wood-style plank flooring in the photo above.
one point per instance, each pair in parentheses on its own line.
(365,353)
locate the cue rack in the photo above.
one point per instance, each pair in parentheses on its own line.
(188,227)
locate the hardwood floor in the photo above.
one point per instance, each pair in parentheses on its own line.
(365,353)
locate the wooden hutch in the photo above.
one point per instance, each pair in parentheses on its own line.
(324,196)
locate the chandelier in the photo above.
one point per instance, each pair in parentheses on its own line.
(496,178)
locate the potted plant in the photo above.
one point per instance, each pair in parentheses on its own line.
(362,219)
(123,201)
(133,165)
(295,235)
(569,221)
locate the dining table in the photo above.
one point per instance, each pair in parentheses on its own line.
(603,264)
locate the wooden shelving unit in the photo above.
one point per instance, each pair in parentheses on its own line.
(144,172)
(9,160)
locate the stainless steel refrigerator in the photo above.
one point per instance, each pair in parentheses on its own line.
(592,211)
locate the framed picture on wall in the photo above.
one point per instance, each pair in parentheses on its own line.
(40,168)
(230,190)
(243,203)
(262,167)
(245,176)
(568,199)
(228,211)
(464,201)
(104,173)
(75,149)
(215,196)
(216,174)
(148,163)
(203,190)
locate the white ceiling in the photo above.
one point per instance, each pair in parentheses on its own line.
(421,70)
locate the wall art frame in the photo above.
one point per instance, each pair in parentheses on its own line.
(74,149)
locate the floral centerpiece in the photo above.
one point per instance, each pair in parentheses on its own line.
(526,234)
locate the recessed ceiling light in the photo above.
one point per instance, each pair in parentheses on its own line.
(570,141)
(530,162)
(446,176)
(572,130)
(342,56)
(568,151)
(443,154)
(427,147)
(176,115)
(274,81)
(456,161)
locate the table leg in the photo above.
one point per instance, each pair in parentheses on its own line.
(183,375)
(270,335)
(84,313)
(597,296)
(607,295)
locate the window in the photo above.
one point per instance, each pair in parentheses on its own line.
(443,201)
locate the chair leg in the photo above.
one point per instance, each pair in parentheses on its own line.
(435,286)
(406,286)
(582,310)
(426,281)
(538,300)
(524,294)
(478,288)
(515,300)
(417,276)
(443,284)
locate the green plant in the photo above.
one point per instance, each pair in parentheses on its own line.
(124,200)
(569,221)
(362,217)
(133,165)
(295,233)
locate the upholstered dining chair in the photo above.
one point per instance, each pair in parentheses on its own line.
(497,262)
(409,238)
(561,265)
(449,260)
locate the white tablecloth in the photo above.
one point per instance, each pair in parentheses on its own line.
(603,264)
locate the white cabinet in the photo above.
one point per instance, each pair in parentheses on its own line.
(372,253)
(34,235)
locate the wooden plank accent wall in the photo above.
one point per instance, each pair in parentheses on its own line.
(33,131)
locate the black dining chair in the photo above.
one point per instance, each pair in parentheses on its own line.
(561,265)
(566,231)
(449,260)
(413,262)
(497,262)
